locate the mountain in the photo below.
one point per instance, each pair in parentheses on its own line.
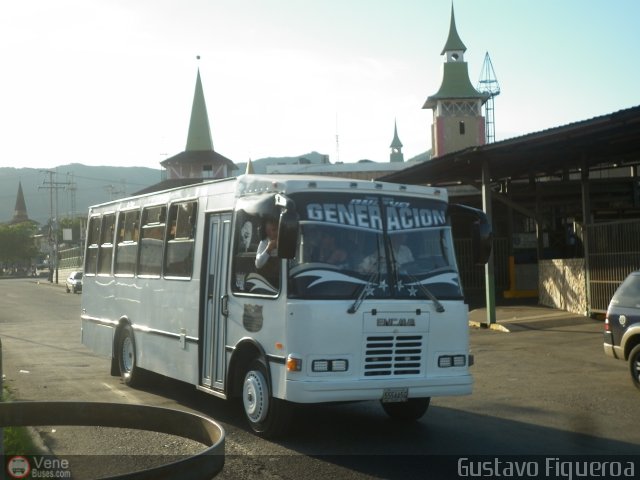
(91,185)
(260,165)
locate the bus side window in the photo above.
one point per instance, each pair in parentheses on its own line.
(151,240)
(127,242)
(181,240)
(246,277)
(106,244)
(244,252)
(93,239)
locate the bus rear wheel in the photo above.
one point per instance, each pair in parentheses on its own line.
(126,356)
(267,416)
(412,409)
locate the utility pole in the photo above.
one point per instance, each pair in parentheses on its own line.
(52,185)
(113,191)
(72,189)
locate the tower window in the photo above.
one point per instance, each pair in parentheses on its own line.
(461,127)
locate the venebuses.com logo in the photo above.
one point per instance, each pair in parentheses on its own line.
(37,467)
(18,467)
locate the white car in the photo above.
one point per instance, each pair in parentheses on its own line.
(74,282)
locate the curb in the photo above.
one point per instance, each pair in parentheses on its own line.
(494,326)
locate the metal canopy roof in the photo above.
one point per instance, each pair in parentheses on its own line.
(600,142)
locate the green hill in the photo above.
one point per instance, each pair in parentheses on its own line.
(91,185)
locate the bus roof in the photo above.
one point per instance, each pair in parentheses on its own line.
(256,183)
(280,183)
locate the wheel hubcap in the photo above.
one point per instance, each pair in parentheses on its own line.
(127,354)
(254,396)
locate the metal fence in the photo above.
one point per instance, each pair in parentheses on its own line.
(70,258)
(472,276)
(614,252)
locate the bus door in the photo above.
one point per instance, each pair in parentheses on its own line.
(215,312)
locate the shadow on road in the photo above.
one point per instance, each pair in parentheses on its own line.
(360,437)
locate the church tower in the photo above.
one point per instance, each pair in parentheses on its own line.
(199,161)
(457,106)
(396,147)
(20,211)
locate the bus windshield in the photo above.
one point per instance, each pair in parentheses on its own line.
(373,247)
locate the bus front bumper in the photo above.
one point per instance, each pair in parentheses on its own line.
(316,391)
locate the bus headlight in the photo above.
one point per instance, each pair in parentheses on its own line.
(338,365)
(459,360)
(446,361)
(320,365)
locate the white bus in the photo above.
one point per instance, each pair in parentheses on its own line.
(171,286)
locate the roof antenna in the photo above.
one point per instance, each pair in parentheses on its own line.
(337,141)
(488,83)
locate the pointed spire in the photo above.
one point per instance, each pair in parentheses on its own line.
(249,170)
(395,143)
(455,74)
(396,146)
(199,137)
(454,43)
(20,211)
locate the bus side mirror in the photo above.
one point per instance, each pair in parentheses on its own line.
(481,233)
(287,234)
(481,241)
(287,228)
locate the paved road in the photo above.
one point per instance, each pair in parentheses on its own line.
(545,388)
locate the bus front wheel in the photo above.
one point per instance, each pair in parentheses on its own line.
(126,355)
(412,409)
(267,416)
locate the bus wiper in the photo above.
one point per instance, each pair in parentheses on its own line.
(365,288)
(425,290)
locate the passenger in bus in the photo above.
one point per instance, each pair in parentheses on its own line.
(401,253)
(246,232)
(268,246)
(328,251)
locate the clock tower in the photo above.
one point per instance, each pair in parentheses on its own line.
(457,106)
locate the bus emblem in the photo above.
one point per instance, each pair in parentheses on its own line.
(252,318)
(396,322)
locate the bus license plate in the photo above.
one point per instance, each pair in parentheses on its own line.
(395,394)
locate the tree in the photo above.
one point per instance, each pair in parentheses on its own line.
(16,243)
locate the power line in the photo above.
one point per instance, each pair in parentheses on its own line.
(21,175)
(53,185)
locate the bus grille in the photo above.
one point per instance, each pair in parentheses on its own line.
(387,355)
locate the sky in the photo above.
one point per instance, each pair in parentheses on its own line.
(111,82)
